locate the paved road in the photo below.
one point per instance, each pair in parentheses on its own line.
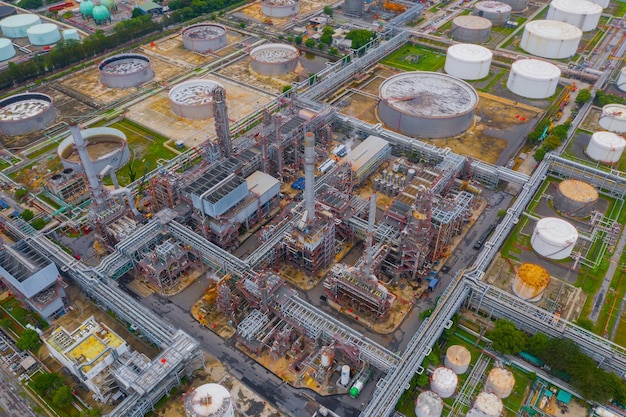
(11,403)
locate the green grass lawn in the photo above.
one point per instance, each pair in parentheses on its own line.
(618,8)
(415,58)
(24,316)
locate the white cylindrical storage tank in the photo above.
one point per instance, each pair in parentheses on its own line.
(7,51)
(21,114)
(427,104)
(458,359)
(516,5)
(500,382)
(16,26)
(471,29)
(193,99)
(125,70)
(209,400)
(443,382)
(488,404)
(530,282)
(496,12)
(606,147)
(274,59)
(105,145)
(204,37)
(554,238)
(583,14)
(613,118)
(280,8)
(533,78)
(70,35)
(353,7)
(575,198)
(428,404)
(44,34)
(326,356)
(345,375)
(550,39)
(621,80)
(468,61)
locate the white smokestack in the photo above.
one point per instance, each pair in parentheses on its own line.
(309,175)
(97,191)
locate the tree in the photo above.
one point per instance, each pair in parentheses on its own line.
(45,383)
(326,39)
(426,313)
(506,338)
(537,344)
(20,193)
(30,4)
(540,154)
(38,223)
(328,11)
(583,96)
(585,323)
(309,43)
(28,340)
(62,397)
(360,37)
(286,88)
(328,30)
(333,51)
(6,322)
(298,39)
(27,215)
(136,13)
(131,173)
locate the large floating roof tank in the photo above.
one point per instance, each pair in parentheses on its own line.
(193,99)
(458,359)
(274,59)
(496,12)
(575,198)
(614,118)
(21,114)
(428,404)
(533,78)
(16,26)
(554,238)
(443,382)
(209,400)
(280,8)
(530,282)
(7,51)
(204,37)
(471,29)
(468,61)
(44,34)
(606,147)
(583,14)
(551,39)
(125,70)
(500,382)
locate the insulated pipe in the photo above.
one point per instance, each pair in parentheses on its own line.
(367,270)
(95,185)
(111,172)
(309,175)
(129,197)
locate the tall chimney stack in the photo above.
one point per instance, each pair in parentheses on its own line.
(309,175)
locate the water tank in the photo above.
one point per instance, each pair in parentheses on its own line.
(443,382)
(204,37)
(16,26)
(468,61)
(21,114)
(554,238)
(7,51)
(606,147)
(428,404)
(86,8)
(70,35)
(551,39)
(274,59)
(488,404)
(280,8)
(209,400)
(353,7)
(530,282)
(516,5)
(533,78)
(345,375)
(621,80)
(458,359)
(496,12)
(101,15)
(327,356)
(583,14)
(472,29)
(575,198)
(125,70)
(44,34)
(613,118)
(500,382)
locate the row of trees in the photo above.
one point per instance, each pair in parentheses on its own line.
(602,99)
(50,386)
(564,359)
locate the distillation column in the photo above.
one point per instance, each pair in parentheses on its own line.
(220,115)
(309,175)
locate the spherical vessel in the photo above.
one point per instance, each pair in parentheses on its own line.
(427,104)
(583,14)
(6,11)
(25,113)
(44,34)
(16,26)
(280,8)
(530,282)
(496,12)
(621,80)
(468,61)
(353,7)
(193,99)
(204,37)
(70,35)
(500,382)
(554,238)
(472,29)
(105,145)
(428,404)
(274,59)
(550,39)
(101,14)
(614,118)
(444,382)
(345,375)
(533,78)
(209,400)
(606,147)
(86,8)
(458,359)
(109,4)
(125,70)
(516,5)
(488,404)
(7,51)
(575,198)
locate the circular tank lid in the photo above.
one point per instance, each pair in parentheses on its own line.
(124,63)
(472,22)
(445,376)
(428,94)
(42,29)
(488,403)
(609,140)
(20,20)
(615,111)
(553,29)
(458,354)
(280,2)
(556,231)
(274,53)
(493,6)
(576,6)
(208,399)
(578,190)
(4,42)
(501,376)
(430,403)
(24,106)
(533,275)
(193,92)
(536,69)
(204,31)
(470,52)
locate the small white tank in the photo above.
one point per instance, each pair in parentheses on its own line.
(458,359)
(554,238)
(530,282)
(533,78)
(614,118)
(444,382)
(327,356)
(583,14)
(500,382)
(345,375)
(606,147)
(7,51)
(488,404)
(70,35)
(621,80)
(550,39)
(468,61)
(428,404)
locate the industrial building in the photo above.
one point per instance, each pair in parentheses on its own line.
(367,157)
(163,265)
(68,186)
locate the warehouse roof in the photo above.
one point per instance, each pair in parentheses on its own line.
(367,150)
(212,177)
(260,182)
